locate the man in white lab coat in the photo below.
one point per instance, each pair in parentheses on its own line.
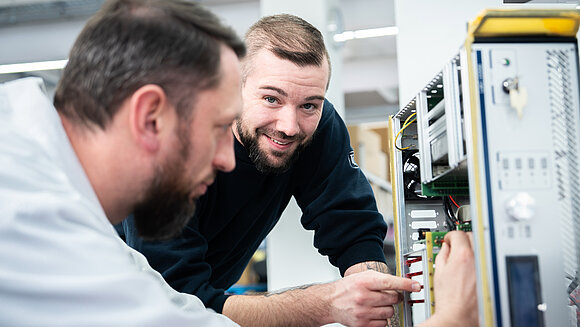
(141,123)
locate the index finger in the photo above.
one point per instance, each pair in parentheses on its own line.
(384,282)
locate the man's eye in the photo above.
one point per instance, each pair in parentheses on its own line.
(309,106)
(270,99)
(226,127)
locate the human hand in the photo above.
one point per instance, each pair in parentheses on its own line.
(367,298)
(454,282)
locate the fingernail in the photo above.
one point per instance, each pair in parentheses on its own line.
(416,287)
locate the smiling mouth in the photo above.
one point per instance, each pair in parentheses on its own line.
(278,142)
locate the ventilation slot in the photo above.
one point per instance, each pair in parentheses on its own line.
(565,136)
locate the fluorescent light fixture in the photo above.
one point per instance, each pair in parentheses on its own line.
(32,66)
(363,34)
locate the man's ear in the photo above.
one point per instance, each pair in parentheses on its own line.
(147,105)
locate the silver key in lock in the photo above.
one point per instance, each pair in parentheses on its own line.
(518,95)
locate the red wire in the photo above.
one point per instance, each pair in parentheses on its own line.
(455,203)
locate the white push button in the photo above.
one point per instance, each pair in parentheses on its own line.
(521,206)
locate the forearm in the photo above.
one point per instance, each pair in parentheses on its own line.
(362,299)
(307,305)
(367,265)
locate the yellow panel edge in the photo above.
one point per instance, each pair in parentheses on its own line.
(391,134)
(429,245)
(530,22)
(487,313)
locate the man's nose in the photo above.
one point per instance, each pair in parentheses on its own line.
(225,159)
(288,121)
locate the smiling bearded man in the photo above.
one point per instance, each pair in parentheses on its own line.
(289,142)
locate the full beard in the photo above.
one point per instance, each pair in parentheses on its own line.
(167,206)
(165,211)
(260,158)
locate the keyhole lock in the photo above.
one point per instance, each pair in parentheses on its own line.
(518,95)
(510,84)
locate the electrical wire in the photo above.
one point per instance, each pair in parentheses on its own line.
(405,125)
(407,120)
(455,203)
(451,218)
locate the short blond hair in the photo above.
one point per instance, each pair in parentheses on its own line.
(288,37)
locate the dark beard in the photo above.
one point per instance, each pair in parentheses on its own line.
(260,159)
(167,208)
(164,213)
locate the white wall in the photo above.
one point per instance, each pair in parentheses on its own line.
(292,260)
(52,40)
(431,33)
(38,42)
(376,73)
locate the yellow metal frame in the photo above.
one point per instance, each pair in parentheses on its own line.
(391,141)
(487,303)
(429,247)
(504,23)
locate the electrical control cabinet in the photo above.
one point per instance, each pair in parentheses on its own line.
(492,144)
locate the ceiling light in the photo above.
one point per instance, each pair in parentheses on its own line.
(366,33)
(32,66)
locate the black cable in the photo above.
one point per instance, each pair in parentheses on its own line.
(450,216)
(412,175)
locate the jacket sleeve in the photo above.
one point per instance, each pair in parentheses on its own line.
(181,262)
(336,199)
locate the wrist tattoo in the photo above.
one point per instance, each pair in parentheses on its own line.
(284,290)
(394,320)
(376,266)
